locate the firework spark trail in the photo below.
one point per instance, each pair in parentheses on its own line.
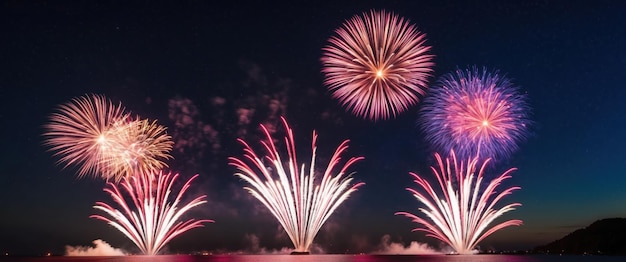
(377,65)
(462,212)
(102,139)
(293,198)
(476,114)
(155,221)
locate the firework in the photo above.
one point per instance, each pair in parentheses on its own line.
(476,114)
(377,65)
(462,212)
(137,146)
(155,220)
(102,140)
(299,203)
(80,132)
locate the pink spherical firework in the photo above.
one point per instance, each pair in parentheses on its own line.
(476,114)
(377,65)
(80,132)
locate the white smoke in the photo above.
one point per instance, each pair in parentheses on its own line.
(254,247)
(100,248)
(415,248)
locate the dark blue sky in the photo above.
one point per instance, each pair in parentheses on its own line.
(567,56)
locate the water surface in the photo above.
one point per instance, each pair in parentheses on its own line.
(329,258)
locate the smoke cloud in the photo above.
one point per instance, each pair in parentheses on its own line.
(252,241)
(415,248)
(253,247)
(100,248)
(190,134)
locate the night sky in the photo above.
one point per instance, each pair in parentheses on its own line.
(207,60)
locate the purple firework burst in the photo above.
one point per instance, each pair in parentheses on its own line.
(475,113)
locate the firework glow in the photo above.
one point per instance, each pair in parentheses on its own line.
(103,140)
(476,114)
(155,219)
(462,212)
(291,194)
(377,65)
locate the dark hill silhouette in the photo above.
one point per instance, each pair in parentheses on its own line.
(603,237)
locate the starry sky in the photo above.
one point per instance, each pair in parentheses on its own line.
(212,71)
